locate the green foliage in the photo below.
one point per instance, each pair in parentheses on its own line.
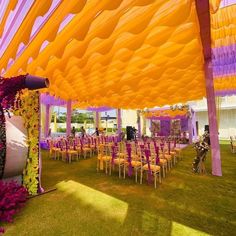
(76,117)
(61,130)
(60,119)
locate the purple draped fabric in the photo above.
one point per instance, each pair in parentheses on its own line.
(165,127)
(184,124)
(224,61)
(47,99)
(98,109)
(223,93)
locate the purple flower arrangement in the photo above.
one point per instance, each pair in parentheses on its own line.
(12,199)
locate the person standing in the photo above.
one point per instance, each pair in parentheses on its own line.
(134,133)
(83,132)
(96,132)
(73,131)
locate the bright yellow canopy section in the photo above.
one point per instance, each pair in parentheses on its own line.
(120,53)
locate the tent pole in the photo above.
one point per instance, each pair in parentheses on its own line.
(190,130)
(97,119)
(47,121)
(212,118)
(119,121)
(68,118)
(139,123)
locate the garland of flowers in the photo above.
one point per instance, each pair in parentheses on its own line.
(29,110)
(2,142)
(12,198)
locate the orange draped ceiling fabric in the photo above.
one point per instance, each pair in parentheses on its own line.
(121,53)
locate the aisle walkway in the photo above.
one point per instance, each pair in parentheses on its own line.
(90,203)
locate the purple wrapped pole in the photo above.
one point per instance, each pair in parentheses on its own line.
(47,121)
(97,119)
(119,121)
(215,147)
(190,130)
(68,118)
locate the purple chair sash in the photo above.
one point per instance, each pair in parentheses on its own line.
(128,148)
(162,146)
(113,148)
(60,145)
(89,142)
(169,147)
(95,142)
(81,144)
(157,155)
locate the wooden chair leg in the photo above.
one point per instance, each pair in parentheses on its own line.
(155,180)
(141,176)
(110,168)
(163,171)
(136,175)
(106,167)
(159,177)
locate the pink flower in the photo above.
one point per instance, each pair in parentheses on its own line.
(2,230)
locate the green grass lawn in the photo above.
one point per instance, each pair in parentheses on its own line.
(91,203)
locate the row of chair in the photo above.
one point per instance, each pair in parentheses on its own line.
(67,150)
(138,158)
